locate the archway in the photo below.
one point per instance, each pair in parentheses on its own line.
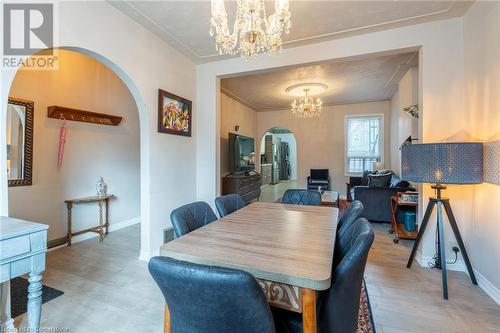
(278,151)
(144,142)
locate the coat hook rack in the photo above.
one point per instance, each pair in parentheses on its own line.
(57,112)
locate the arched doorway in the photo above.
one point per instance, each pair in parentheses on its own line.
(278,151)
(143,139)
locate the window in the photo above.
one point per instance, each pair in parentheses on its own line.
(363,142)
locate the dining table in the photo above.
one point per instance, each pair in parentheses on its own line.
(287,248)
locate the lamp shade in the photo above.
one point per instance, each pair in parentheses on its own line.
(443,163)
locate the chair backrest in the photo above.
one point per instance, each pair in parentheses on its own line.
(228,204)
(319,173)
(339,305)
(211,299)
(191,217)
(301,197)
(352,213)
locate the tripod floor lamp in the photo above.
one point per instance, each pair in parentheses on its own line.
(438,164)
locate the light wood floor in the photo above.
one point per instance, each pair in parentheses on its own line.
(271,193)
(107,289)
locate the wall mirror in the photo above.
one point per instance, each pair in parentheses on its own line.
(19,141)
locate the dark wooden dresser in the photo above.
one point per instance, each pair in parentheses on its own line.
(248,186)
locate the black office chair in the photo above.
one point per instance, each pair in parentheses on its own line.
(301,197)
(352,213)
(338,307)
(228,204)
(207,299)
(191,217)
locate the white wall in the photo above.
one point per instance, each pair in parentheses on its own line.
(234,113)
(482,75)
(91,151)
(145,63)
(403,125)
(321,141)
(395,144)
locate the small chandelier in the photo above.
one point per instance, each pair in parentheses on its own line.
(306,107)
(248,27)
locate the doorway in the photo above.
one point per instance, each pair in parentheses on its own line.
(80,83)
(278,158)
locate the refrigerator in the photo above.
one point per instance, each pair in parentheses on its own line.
(275,179)
(285,167)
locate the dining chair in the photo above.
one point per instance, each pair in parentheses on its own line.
(351,215)
(338,306)
(301,197)
(210,299)
(191,217)
(228,204)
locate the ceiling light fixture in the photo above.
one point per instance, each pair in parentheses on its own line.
(305,106)
(253,37)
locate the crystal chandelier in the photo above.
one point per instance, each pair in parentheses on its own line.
(255,31)
(305,106)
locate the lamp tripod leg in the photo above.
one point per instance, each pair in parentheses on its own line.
(442,256)
(456,232)
(421,232)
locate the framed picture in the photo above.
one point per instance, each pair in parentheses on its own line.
(174,114)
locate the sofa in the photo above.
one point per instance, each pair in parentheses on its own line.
(376,199)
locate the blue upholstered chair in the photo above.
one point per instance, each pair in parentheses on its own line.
(352,213)
(302,197)
(191,217)
(211,299)
(228,204)
(338,306)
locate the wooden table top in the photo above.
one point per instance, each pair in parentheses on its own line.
(91,199)
(289,244)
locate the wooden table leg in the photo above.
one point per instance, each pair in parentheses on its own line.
(166,320)
(308,310)
(69,205)
(107,216)
(100,221)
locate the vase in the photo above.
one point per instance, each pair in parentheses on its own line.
(101,187)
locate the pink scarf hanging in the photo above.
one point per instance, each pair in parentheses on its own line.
(62,141)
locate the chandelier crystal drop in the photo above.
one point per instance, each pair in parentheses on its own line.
(306,107)
(255,31)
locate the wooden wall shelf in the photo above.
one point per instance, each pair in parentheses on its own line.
(60,112)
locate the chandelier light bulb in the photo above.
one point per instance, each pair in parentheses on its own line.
(254,31)
(306,107)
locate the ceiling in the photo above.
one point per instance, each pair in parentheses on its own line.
(185,24)
(370,79)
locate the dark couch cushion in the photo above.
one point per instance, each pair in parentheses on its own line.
(382,180)
(398,182)
(364,178)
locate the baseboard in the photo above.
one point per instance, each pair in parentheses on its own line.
(61,242)
(488,287)
(145,255)
(459,266)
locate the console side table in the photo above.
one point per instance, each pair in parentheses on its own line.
(23,246)
(98,229)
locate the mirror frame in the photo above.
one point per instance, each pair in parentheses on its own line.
(28,143)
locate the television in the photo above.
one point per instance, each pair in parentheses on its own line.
(241,153)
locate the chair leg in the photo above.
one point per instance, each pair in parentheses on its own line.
(166,320)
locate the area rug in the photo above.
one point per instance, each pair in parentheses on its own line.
(19,295)
(365,316)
